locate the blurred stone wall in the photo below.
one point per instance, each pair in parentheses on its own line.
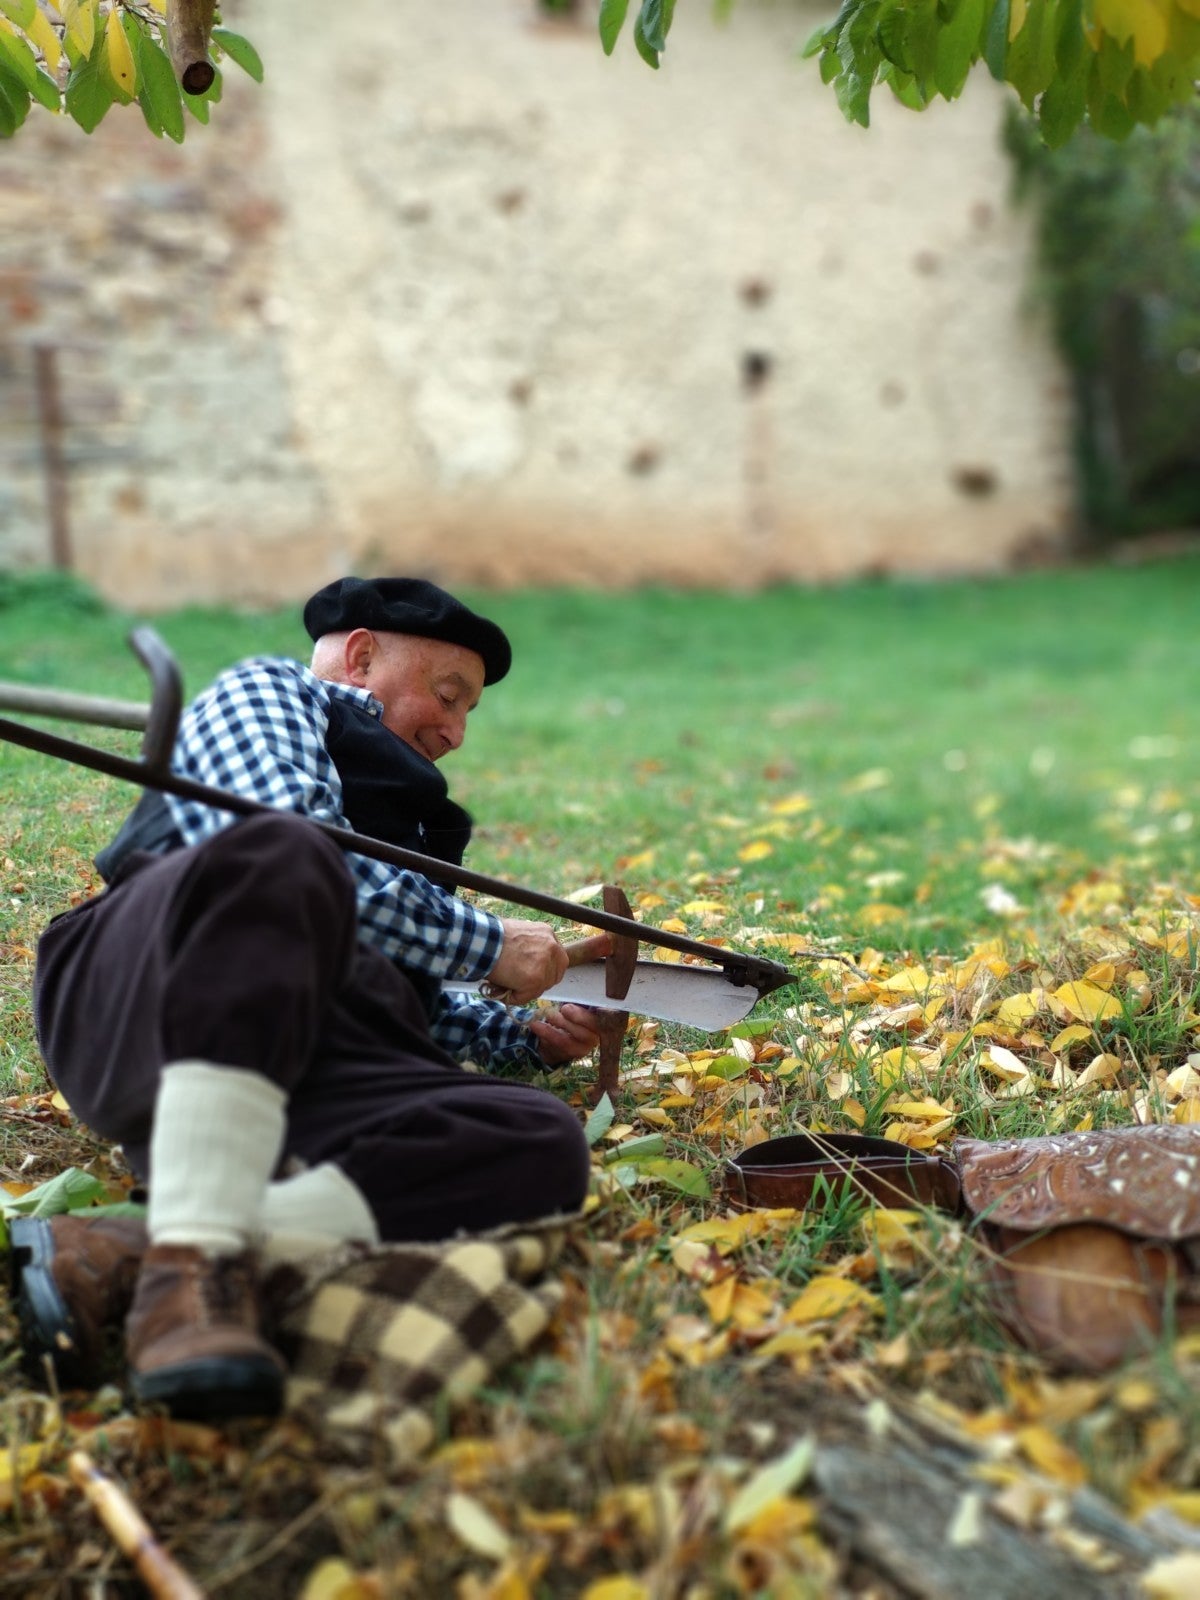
(454,293)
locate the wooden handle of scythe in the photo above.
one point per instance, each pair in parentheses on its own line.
(189,25)
(595,948)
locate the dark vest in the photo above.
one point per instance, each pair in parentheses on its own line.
(389,791)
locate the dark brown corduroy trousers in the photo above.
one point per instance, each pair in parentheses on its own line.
(242,951)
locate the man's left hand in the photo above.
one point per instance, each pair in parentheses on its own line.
(565,1034)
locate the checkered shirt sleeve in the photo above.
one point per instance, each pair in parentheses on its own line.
(259,730)
(484,1031)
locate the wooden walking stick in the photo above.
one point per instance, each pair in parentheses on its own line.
(132,1535)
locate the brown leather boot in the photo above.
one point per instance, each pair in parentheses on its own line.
(192,1338)
(72,1284)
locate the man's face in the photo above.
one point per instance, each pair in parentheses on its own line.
(426,688)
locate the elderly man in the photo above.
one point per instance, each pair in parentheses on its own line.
(258,1018)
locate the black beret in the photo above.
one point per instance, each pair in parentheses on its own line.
(407,605)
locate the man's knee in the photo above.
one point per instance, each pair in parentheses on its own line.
(558,1153)
(279,859)
(471,1159)
(273,836)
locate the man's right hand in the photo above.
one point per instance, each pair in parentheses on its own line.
(531,961)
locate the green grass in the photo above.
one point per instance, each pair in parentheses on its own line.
(1022,732)
(858,771)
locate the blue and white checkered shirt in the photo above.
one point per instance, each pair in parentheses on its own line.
(259,730)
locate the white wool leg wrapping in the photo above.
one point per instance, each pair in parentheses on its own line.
(313,1212)
(217,1135)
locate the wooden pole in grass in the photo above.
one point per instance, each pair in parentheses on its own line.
(129,1531)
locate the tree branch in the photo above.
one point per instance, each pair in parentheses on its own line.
(189,24)
(163,1578)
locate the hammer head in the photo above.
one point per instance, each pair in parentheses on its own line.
(620,964)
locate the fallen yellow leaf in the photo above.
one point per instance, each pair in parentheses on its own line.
(1100,1069)
(1002,1063)
(798,1344)
(730,1233)
(643,858)
(889,1068)
(828,1296)
(1172,1577)
(474,1526)
(1184,1503)
(927,1109)
(770,1484)
(1087,1001)
(469,1460)
(1102,973)
(1047,1452)
(335,1579)
(777,1525)
(1018,1008)
(916,1135)
(1071,1034)
(865,782)
(743,1304)
(893,1234)
(791,804)
(909,980)
(698,1260)
(618,1588)
(17,1464)
(547,1521)
(879,912)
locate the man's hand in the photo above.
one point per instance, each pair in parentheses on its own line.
(531,961)
(566,1034)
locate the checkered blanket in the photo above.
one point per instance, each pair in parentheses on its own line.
(378,1337)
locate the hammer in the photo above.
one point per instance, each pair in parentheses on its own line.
(620,959)
(619,954)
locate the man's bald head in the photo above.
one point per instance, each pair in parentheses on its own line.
(425,686)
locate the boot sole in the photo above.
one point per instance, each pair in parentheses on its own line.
(213,1389)
(48,1330)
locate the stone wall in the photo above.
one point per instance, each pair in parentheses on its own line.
(455,293)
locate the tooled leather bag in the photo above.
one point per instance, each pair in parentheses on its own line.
(1092,1239)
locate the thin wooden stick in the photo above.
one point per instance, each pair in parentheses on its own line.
(130,1533)
(74,707)
(189,24)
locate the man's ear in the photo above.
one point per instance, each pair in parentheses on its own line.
(358,654)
